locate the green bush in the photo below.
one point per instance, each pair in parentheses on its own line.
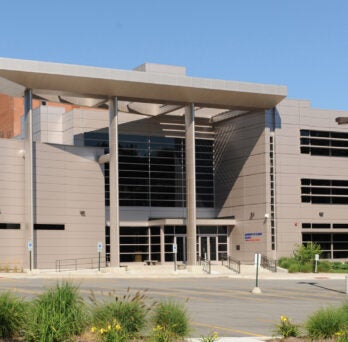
(306,268)
(304,254)
(170,321)
(293,268)
(285,328)
(339,267)
(57,314)
(13,313)
(324,266)
(326,323)
(285,262)
(126,317)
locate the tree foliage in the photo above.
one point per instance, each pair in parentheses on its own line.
(305,253)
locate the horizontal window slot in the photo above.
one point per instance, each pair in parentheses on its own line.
(10,226)
(44,226)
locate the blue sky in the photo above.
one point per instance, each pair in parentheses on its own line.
(299,43)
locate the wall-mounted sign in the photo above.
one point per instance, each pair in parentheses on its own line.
(252,237)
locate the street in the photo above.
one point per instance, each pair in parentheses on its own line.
(214,304)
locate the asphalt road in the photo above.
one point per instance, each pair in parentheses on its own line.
(220,304)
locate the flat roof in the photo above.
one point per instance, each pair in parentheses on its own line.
(54,79)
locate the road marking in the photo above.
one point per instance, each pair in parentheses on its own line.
(216,327)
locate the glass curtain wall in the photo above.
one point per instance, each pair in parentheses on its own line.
(152,170)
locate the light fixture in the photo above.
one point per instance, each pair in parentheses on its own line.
(321,213)
(82,212)
(266,216)
(342,120)
(252,214)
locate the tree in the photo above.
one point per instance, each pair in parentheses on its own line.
(305,253)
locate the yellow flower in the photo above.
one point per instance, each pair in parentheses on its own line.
(109,327)
(102,331)
(215,335)
(117,327)
(339,333)
(283,318)
(93,329)
(157,328)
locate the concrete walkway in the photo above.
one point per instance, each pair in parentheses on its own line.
(140,270)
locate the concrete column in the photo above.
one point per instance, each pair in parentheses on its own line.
(162,244)
(190,163)
(29,184)
(114,193)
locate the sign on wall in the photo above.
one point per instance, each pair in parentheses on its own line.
(252,237)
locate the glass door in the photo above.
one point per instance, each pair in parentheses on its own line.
(180,241)
(207,247)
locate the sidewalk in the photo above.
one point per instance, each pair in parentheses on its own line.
(140,270)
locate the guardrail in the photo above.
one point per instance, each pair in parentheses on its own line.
(80,264)
(269,263)
(206,266)
(205,263)
(233,264)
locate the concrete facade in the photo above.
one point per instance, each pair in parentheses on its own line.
(235,158)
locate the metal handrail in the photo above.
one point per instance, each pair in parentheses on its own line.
(79,263)
(205,263)
(206,266)
(269,263)
(233,264)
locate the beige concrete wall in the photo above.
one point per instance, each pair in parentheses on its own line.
(241,181)
(68,180)
(291,166)
(12,245)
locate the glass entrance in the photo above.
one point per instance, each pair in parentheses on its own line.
(207,247)
(181,247)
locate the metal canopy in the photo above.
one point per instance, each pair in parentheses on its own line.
(92,87)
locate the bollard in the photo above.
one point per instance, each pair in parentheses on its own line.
(346,284)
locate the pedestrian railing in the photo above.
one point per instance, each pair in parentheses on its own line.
(233,264)
(206,264)
(80,264)
(269,263)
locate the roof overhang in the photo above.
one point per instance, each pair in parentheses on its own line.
(178,222)
(56,81)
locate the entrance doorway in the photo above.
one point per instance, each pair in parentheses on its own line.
(180,241)
(207,247)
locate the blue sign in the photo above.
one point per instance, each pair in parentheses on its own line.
(249,237)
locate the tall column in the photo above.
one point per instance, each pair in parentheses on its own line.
(162,242)
(190,163)
(29,184)
(114,193)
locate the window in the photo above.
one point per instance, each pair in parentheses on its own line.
(10,226)
(152,170)
(324,191)
(324,143)
(43,226)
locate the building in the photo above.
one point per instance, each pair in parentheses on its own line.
(144,162)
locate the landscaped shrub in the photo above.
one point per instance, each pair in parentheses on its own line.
(324,266)
(13,314)
(326,323)
(306,268)
(339,267)
(304,254)
(120,319)
(285,328)
(293,268)
(285,262)
(171,321)
(57,314)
